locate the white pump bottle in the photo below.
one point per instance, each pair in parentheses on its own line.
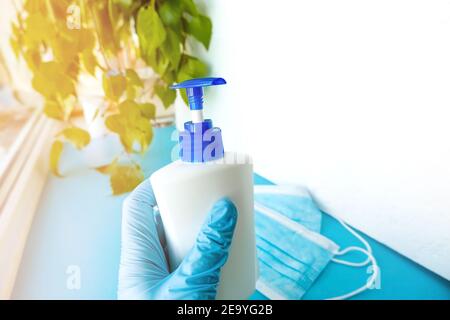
(186,190)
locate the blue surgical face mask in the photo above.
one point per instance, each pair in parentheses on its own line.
(291,251)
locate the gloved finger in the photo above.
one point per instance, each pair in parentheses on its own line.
(142,262)
(160,228)
(201,267)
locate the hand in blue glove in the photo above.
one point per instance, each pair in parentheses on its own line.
(144,271)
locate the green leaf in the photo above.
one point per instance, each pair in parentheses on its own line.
(131,126)
(131,92)
(162,61)
(68,104)
(190,7)
(201,28)
(86,39)
(105,29)
(114,123)
(124,178)
(15,45)
(123,3)
(55,154)
(52,109)
(184,97)
(194,67)
(166,95)
(128,107)
(133,78)
(114,86)
(169,77)
(33,60)
(50,81)
(150,30)
(170,13)
(34,5)
(158,60)
(107,169)
(66,45)
(113,15)
(148,110)
(172,48)
(72,69)
(77,136)
(16,40)
(133,83)
(89,61)
(191,68)
(38,28)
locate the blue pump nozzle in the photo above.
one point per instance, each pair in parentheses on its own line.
(200,141)
(194,90)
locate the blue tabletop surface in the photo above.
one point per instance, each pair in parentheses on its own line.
(77,225)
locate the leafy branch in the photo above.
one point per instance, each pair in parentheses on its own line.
(104,46)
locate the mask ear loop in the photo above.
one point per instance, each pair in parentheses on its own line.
(367,251)
(369,283)
(370,258)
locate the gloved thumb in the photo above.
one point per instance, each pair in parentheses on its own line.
(201,267)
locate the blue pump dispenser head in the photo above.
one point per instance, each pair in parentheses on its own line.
(200,141)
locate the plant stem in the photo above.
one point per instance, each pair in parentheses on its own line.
(102,49)
(50,11)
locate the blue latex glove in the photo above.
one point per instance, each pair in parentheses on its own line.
(144,271)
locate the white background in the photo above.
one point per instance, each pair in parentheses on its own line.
(350,98)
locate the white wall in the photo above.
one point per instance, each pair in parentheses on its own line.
(350,98)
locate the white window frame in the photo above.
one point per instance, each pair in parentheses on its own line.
(22,179)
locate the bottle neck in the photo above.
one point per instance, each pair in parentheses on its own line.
(197,116)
